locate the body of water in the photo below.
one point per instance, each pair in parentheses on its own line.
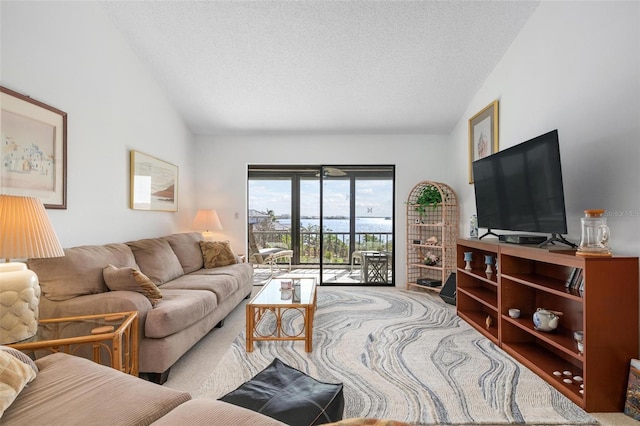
(363,224)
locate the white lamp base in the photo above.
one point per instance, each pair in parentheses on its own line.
(19,301)
(207,236)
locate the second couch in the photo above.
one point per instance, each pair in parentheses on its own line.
(193,298)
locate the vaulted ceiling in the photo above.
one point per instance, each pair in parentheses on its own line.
(249,67)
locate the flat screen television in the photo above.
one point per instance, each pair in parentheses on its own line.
(520,189)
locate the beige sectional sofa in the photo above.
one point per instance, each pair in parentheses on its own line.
(194,299)
(68,390)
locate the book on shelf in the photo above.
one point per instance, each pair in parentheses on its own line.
(577,278)
(581,287)
(575,281)
(572,274)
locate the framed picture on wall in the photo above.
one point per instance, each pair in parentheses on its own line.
(483,134)
(154,183)
(33,150)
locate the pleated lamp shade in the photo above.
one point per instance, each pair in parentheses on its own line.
(25,232)
(25,229)
(207,221)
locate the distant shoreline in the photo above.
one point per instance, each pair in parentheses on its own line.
(363,224)
(287,217)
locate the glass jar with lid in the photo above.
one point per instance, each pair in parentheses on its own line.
(595,234)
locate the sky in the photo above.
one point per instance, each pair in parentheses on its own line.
(373,197)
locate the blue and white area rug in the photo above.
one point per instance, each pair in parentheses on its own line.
(404,356)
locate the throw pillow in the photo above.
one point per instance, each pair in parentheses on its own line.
(130,279)
(217,253)
(156,260)
(21,356)
(14,376)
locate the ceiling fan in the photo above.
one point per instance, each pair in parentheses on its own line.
(331,172)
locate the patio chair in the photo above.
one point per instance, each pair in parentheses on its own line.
(357,255)
(376,267)
(268,256)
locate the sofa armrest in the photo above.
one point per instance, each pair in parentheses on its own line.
(110,301)
(202,411)
(69,390)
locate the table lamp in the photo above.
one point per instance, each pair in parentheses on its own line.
(25,232)
(207,221)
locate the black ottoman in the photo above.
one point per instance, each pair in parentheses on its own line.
(289,395)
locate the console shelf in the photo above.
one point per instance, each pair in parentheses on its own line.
(561,338)
(531,355)
(528,278)
(482,295)
(477,318)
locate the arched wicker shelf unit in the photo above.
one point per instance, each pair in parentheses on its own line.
(431,231)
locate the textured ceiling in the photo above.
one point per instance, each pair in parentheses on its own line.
(241,67)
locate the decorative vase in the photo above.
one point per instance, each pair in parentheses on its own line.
(488,260)
(468,256)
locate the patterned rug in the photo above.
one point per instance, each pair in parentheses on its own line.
(405,356)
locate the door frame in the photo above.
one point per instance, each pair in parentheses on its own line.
(295,173)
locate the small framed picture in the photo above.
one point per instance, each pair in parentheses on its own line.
(483,135)
(33,152)
(154,183)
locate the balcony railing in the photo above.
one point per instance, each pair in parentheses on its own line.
(336,244)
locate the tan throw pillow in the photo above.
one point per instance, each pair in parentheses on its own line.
(130,279)
(217,253)
(14,376)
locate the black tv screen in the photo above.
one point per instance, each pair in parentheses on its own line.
(520,188)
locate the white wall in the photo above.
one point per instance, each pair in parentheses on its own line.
(222,171)
(575,68)
(69,55)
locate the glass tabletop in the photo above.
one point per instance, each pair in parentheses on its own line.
(302,291)
(73,327)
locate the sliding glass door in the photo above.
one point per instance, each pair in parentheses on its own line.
(336,225)
(337,220)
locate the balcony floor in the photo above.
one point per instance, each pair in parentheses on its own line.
(337,276)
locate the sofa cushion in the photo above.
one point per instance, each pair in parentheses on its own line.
(130,279)
(14,376)
(156,260)
(204,411)
(222,285)
(223,281)
(187,248)
(79,272)
(80,385)
(217,253)
(177,310)
(243,272)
